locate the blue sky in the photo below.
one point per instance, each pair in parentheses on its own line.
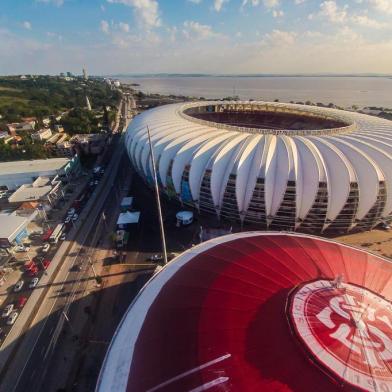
(211,36)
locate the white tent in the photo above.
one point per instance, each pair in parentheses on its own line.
(127,218)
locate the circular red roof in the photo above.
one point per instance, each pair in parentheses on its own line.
(259,311)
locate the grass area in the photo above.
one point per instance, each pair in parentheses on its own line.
(2,88)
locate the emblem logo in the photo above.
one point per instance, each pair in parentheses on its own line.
(347,329)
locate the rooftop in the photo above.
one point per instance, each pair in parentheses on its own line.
(10,224)
(29,193)
(37,165)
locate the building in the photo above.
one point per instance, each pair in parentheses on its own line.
(85,76)
(27,126)
(43,190)
(91,143)
(14,174)
(258,312)
(13,229)
(42,134)
(58,145)
(273,166)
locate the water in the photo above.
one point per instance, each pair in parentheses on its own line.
(342,91)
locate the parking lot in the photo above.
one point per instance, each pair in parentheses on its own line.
(26,263)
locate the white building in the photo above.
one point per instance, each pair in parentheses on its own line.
(42,134)
(274,166)
(14,174)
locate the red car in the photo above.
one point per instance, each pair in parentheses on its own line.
(33,272)
(21,302)
(45,264)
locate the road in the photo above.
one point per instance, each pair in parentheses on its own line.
(27,368)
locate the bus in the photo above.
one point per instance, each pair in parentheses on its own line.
(56,233)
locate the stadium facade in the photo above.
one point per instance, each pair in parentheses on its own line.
(258,311)
(274,166)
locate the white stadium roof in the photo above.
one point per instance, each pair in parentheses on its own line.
(349,165)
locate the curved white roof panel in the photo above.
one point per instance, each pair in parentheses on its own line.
(273,165)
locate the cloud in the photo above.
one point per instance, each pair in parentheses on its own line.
(364,20)
(124,27)
(57,3)
(382,5)
(277,13)
(279,37)
(27,25)
(198,31)
(267,3)
(147,11)
(104,26)
(218,4)
(330,10)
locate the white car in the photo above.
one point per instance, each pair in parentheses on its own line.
(75,217)
(45,248)
(63,237)
(67,219)
(12,318)
(7,310)
(18,286)
(33,283)
(71,211)
(21,248)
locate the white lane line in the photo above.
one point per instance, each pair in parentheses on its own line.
(188,372)
(208,385)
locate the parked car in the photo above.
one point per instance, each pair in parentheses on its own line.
(12,318)
(63,236)
(33,272)
(96,182)
(18,286)
(76,268)
(21,248)
(71,211)
(21,302)
(67,220)
(75,217)
(385,226)
(45,248)
(45,264)
(33,283)
(7,310)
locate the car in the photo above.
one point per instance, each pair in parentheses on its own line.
(33,283)
(18,286)
(76,268)
(71,211)
(21,302)
(155,258)
(159,257)
(96,182)
(91,183)
(63,236)
(45,264)
(12,318)
(385,226)
(33,272)
(67,219)
(75,217)
(21,248)
(45,248)
(7,310)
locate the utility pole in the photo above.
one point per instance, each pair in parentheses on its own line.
(157,198)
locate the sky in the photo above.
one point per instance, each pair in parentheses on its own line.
(195,36)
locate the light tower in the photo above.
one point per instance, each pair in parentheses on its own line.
(85,77)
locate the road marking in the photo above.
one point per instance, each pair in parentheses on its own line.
(208,385)
(188,372)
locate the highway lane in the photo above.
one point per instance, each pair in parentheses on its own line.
(23,368)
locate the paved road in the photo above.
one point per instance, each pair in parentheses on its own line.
(42,335)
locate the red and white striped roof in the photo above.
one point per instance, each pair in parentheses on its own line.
(258,312)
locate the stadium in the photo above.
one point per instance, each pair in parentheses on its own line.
(258,311)
(270,166)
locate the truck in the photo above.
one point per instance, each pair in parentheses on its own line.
(56,234)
